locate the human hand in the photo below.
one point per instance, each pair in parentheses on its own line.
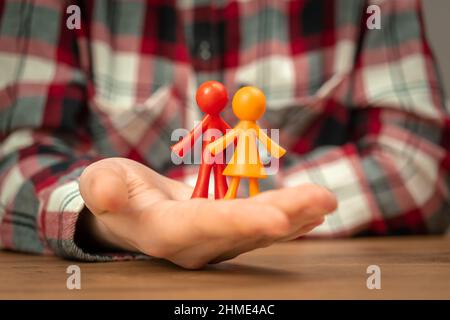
(137,209)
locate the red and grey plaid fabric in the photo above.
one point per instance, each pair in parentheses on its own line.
(361,111)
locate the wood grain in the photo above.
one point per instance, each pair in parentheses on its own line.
(411,267)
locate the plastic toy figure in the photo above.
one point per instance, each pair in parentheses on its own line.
(249,104)
(211,97)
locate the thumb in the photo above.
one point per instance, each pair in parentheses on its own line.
(103,187)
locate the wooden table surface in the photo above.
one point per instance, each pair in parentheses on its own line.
(411,267)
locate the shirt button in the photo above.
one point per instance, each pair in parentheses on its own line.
(205,50)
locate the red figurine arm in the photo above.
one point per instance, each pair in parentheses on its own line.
(188,140)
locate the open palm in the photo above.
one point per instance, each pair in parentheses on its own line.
(137,209)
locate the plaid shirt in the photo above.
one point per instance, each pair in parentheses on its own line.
(361,111)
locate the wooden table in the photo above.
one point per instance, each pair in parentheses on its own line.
(417,267)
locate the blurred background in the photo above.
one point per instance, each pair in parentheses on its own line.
(437,20)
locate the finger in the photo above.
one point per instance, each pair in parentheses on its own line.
(192,233)
(261,243)
(103,187)
(304,229)
(264,242)
(307,202)
(184,224)
(237,219)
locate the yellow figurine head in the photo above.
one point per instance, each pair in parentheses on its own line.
(249,103)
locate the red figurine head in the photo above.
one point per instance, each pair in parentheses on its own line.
(212,97)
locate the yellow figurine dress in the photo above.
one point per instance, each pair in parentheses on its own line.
(246,161)
(248,105)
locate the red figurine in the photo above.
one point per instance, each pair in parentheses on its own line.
(211,97)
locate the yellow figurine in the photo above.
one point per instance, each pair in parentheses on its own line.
(249,105)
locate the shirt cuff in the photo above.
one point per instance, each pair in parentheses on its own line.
(58,224)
